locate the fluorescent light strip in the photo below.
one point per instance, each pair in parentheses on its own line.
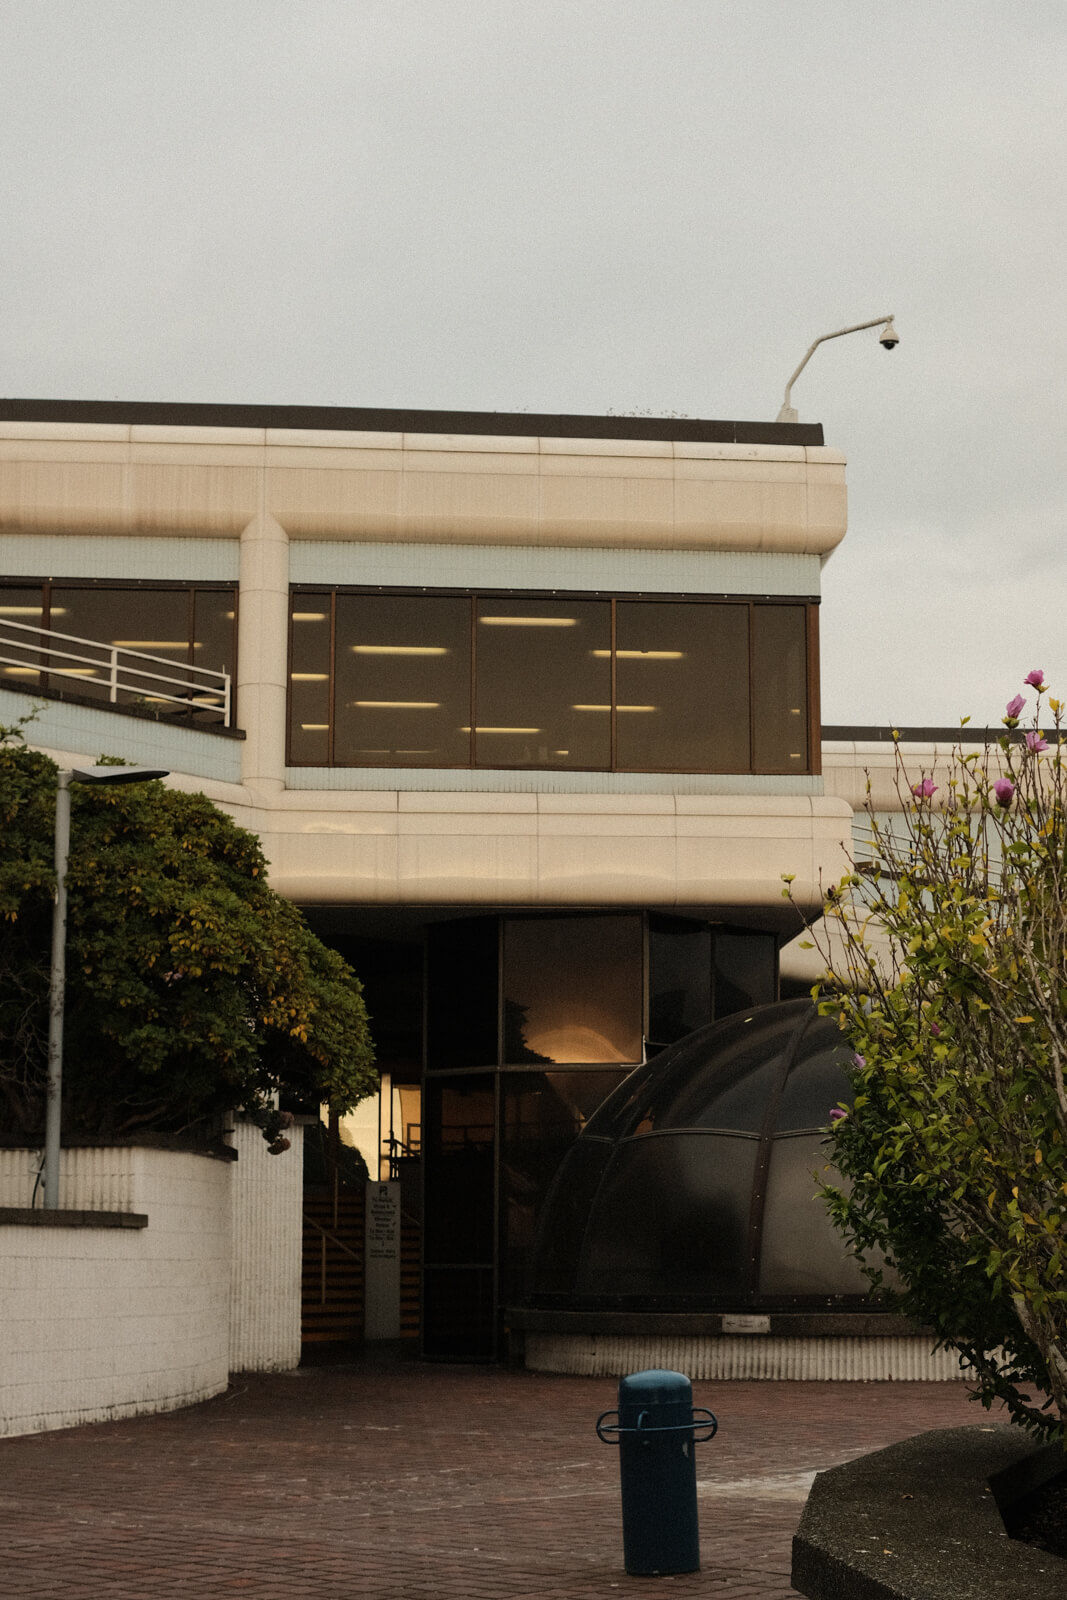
(309,677)
(501,730)
(618,708)
(399,650)
(640,655)
(20,611)
(315,727)
(302,616)
(153,644)
(399,705)
(529,622)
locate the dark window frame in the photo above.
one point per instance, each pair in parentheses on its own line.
(808,604)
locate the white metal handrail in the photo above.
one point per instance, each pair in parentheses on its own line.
(113,666)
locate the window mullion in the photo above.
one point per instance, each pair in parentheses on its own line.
(614,695)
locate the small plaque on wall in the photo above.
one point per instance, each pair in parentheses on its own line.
(745,1324)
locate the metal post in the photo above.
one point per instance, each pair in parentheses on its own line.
(53,1108)
(57,991)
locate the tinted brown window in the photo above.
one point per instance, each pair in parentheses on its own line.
(543,683)
(573,989)
(309,679)
(23,607)
(176,628)
(682,686)
(532,681)
(402,667)
(779,700)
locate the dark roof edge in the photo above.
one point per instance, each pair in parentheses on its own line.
(377,419)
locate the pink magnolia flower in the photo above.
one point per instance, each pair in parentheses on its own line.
(859,1061)
(934,1029)
(923,791)
(837,1115)
(1004,790)
(1036,742)
(1013,707)
(1035,679)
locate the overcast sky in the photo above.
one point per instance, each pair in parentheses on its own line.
(592,206)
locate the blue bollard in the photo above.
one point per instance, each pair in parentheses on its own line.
(656,1429)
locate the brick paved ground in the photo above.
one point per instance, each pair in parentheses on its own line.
(391,1479)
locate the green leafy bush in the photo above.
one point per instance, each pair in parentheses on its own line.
(951,984)
(192,988)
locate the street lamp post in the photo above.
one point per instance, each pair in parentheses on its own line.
(58,985)
(888,339)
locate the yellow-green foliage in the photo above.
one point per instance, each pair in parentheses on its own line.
(192,988)
(955,1148)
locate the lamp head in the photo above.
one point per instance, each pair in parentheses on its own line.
(104,772)
(889,338)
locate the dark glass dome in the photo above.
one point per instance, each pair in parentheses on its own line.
(693,1185)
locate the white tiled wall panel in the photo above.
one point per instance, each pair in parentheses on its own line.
(105,1322)
(267,1224)
(71,555)
(554,567)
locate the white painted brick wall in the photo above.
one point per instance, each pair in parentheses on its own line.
(267,1227)
(101,1323)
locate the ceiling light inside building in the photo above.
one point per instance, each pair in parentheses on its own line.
(399,650)
(640,655)
(153,644)
(529,622)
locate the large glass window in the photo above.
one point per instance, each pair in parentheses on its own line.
(682,686)
(403,681)
(586,683)
(573,989)
(543,683)
(20,667)
(180,629)
(780,698)
(309,679)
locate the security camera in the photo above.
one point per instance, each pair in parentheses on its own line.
(889,338)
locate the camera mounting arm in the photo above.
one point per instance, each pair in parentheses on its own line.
(888,339)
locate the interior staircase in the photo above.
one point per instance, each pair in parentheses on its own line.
(332,1285)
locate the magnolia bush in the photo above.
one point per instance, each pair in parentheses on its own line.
(951,985)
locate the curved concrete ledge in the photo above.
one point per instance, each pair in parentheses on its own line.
(922,1520)
(24,1217)
(745,1357)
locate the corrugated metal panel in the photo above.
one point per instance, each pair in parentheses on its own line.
(67,555)
(745,1357)
(90,1179)
(464,566)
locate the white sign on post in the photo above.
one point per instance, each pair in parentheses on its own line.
(381,1262)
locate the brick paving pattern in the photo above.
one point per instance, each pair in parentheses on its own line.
(391,1479)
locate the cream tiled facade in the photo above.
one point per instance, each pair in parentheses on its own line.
(126,499)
